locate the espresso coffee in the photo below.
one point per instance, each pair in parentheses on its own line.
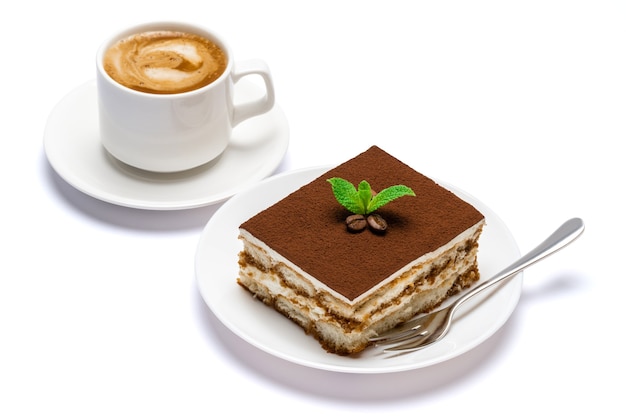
(164,62)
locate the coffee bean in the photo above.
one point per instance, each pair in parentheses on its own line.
(356,223)
(377,223)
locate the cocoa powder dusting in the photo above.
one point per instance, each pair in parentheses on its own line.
(308,227)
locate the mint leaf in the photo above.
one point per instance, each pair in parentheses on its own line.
(347,195)
(365,195)
(387,195)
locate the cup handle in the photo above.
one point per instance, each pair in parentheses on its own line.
(244,111)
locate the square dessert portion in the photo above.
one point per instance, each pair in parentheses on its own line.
(343,287)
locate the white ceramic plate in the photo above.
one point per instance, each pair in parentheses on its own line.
(73,148)
(261,326)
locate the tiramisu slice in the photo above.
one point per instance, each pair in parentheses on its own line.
(344,285)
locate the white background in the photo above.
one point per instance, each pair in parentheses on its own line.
(520,103)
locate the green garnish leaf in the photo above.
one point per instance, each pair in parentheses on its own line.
(387,195)
(365,195)
(347,195)
(360,201)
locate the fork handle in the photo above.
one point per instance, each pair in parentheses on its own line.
(560,238)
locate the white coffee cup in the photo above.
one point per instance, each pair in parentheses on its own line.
(179,131)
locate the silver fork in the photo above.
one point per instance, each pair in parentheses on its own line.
(427,329)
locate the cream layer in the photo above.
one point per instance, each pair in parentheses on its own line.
(281,278)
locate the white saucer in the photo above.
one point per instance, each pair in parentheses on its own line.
(72,145)
(266,329)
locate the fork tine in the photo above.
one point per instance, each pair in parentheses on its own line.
(408,327)
(408,345)
(395,333)
(434,325)
(413,343)
(398,337)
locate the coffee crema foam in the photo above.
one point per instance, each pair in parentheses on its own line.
(164,62)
